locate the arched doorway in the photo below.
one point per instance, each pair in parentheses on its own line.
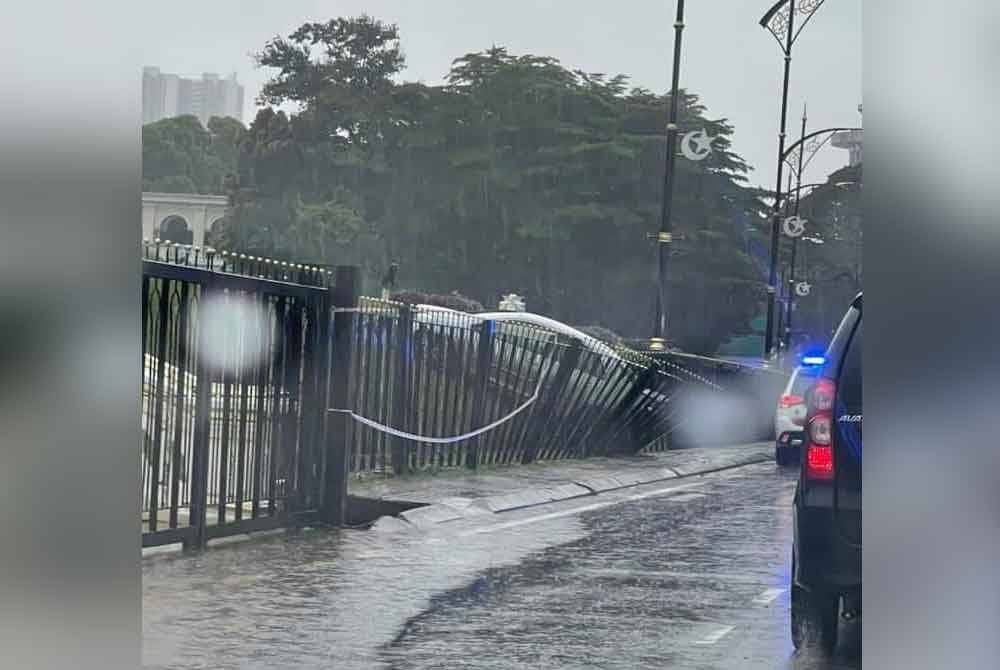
(213,237)
(175,229)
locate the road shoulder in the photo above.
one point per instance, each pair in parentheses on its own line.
(428,499)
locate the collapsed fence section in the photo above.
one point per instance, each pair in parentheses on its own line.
(435,388)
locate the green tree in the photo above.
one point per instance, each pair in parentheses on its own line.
(518,174)
(180,155)
(834,268)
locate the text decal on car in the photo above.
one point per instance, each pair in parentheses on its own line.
(849,418)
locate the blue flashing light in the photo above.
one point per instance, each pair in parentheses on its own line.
(813,360)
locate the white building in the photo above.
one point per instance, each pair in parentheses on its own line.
(181,217)
(165,95)
(852,140)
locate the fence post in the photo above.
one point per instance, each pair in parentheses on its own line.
(401,389)
(318,397)
(484,359)
(338,445)
(202,429)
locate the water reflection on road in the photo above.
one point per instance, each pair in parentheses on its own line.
(320,599)
(695,578)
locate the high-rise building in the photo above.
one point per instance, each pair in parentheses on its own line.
(853,141)
(165,95)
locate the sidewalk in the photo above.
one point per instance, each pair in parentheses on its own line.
(447,496)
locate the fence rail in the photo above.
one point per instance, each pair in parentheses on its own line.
(263,389)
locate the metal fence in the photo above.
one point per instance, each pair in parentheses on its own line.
(233,401)
(265,384)
(426,380)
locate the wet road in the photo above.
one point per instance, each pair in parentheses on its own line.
(689,575)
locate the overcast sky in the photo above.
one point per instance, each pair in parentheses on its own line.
(728,59)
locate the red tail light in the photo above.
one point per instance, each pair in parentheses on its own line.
(791,400)
(819,462)
(819,450)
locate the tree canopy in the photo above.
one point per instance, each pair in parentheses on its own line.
(180,155)
(833,267)
(518,174)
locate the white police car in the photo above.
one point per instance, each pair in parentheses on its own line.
(790,419)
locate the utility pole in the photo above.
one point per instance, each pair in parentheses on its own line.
(665,237)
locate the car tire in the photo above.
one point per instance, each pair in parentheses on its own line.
(780,455)
(814,618)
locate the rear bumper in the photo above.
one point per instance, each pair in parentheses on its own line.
(824,559)
(790,439)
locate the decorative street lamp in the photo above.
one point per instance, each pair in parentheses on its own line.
(798,157)
(798,169)
(693,145)
(779,20)
(803,237)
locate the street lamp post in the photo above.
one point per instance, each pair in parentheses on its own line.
(779,20)
(665,236)
(784,295)
(795,241)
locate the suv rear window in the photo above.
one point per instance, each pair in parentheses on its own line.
(849,385)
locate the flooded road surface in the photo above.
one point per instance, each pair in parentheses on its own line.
(691,574)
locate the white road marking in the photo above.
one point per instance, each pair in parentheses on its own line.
(768,597)
(687,497)
(672,574)
(712,638)
(578,510)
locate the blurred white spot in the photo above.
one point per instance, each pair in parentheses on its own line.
(235,333)
(710,417)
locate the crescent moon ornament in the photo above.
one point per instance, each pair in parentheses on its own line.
(696,145)
(794,226)
(802,289)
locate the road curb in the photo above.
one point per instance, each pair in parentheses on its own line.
(456,509)
(616,482)
(754,460)
(509,502)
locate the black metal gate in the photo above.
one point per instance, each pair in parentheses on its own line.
(235,385)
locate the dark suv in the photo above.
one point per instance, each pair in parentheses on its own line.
(826,554)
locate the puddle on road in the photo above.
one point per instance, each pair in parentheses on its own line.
(315,599)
